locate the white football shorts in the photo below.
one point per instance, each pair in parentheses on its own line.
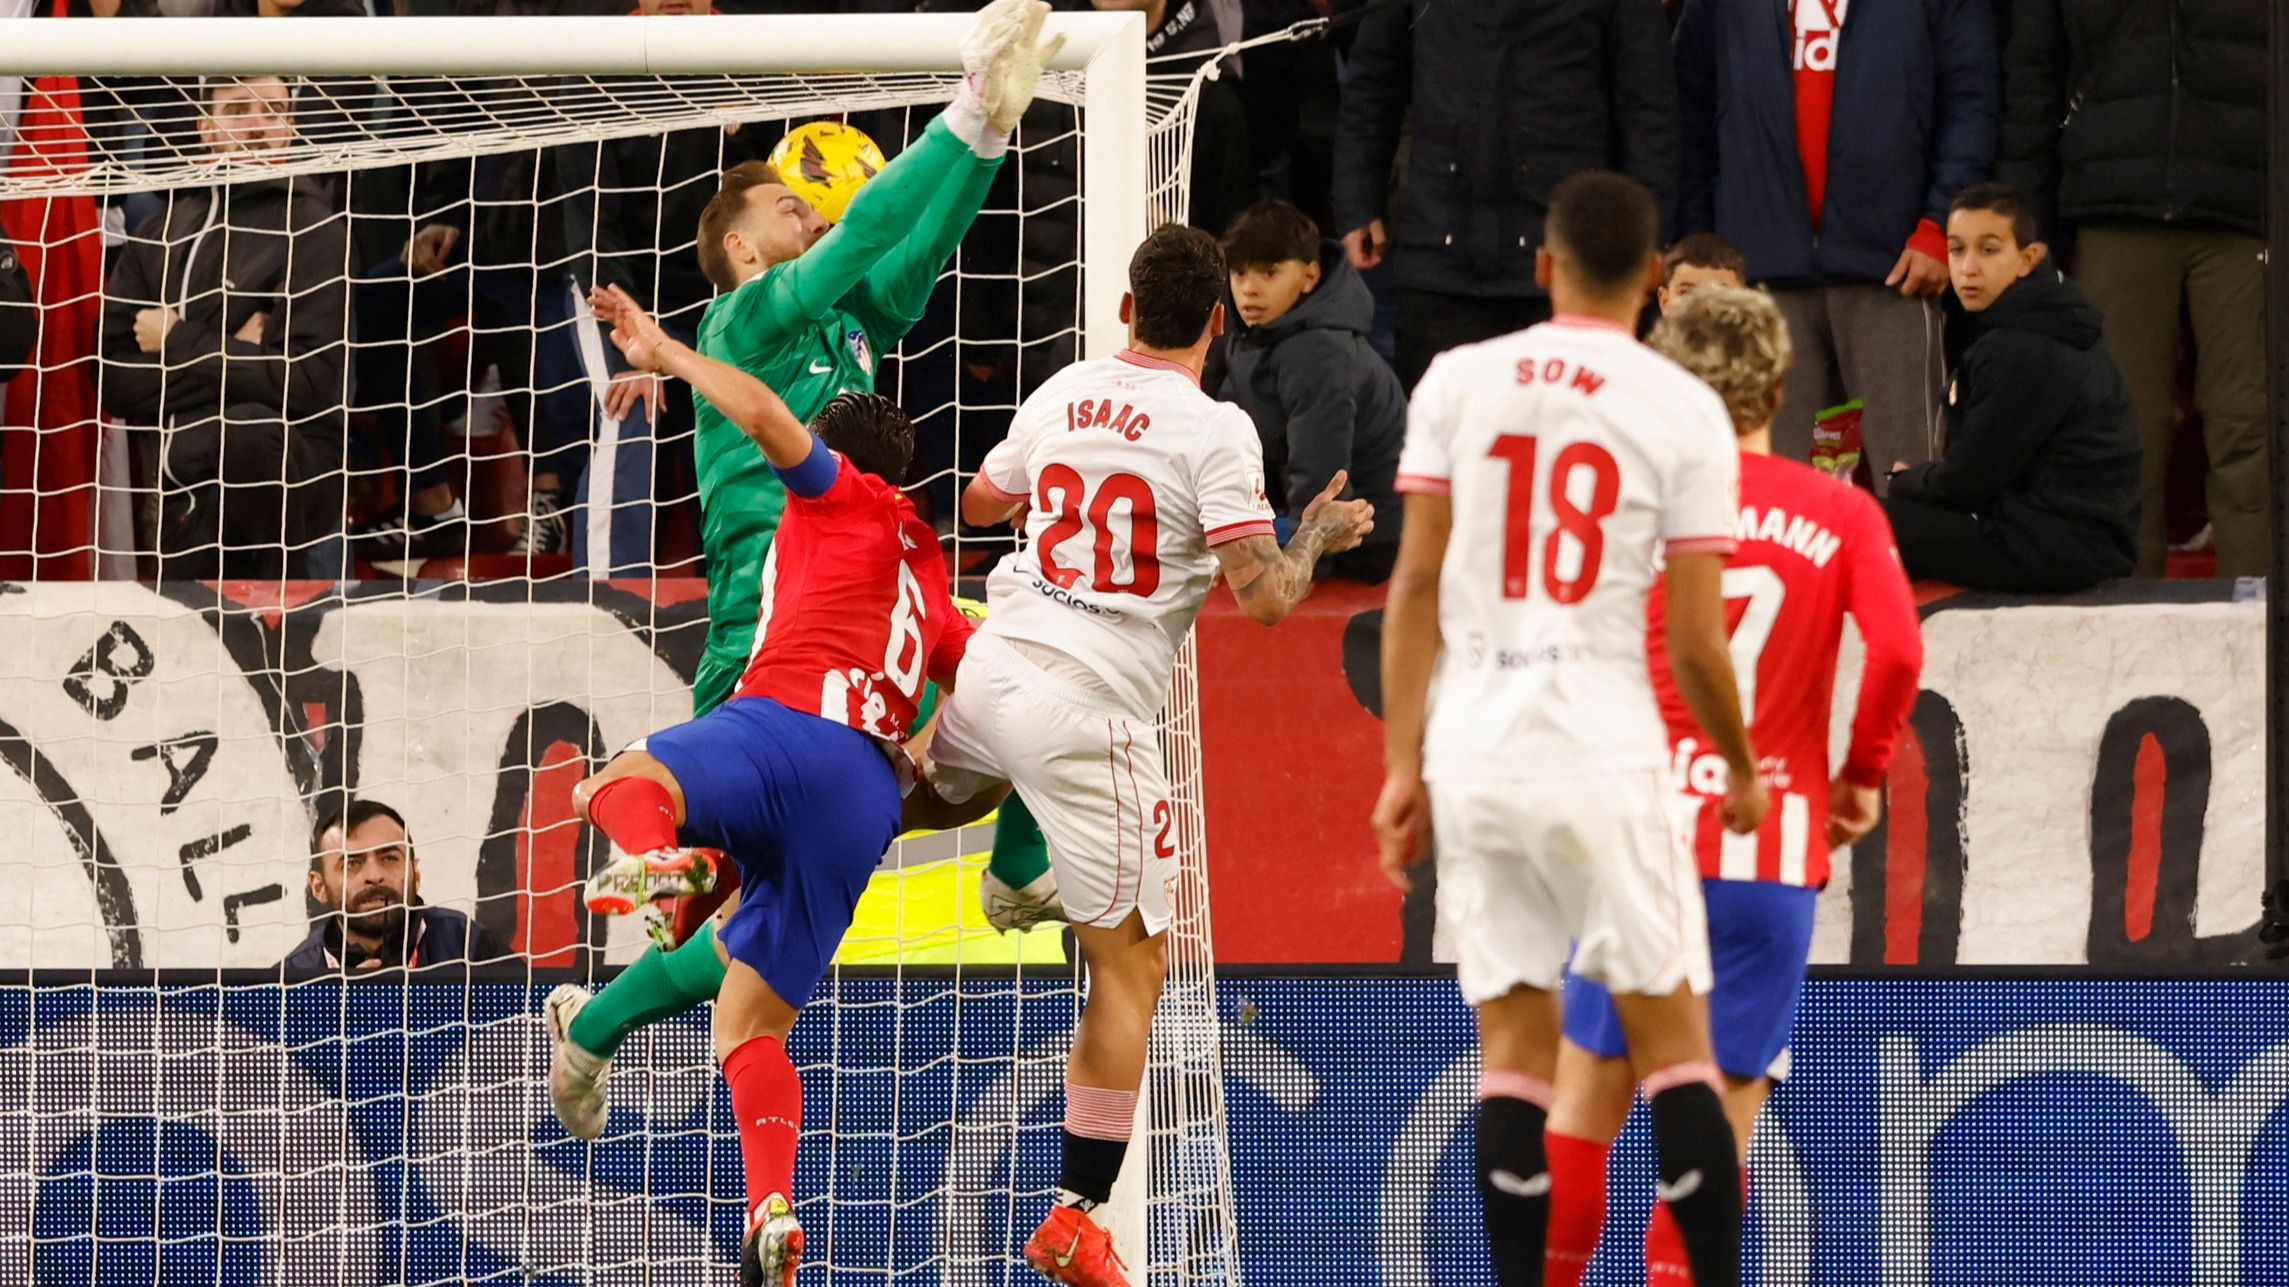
(1092,775)
(1591,866)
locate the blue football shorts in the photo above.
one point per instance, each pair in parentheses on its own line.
(1760,936)
(805,806)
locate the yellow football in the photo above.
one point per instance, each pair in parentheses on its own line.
(826,162)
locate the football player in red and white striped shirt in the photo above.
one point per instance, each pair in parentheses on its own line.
(1810,549)
(799,778)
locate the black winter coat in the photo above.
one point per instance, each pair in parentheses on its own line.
(19,314)
(1223,173)
(2041,442)
(1916,113)
(218,256)
(2138,109)
(1321,398)
(439,936)
(1508,99)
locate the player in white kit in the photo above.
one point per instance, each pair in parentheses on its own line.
(1134,489)
(1547,474)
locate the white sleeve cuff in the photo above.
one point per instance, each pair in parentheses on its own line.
(966,117)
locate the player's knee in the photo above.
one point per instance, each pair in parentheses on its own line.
(627,764)
(582,792)
(740,1018)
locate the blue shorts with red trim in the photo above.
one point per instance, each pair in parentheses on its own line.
(1760,936)
(805,806)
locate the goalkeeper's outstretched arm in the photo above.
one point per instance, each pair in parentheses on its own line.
(917,204)
(743,399)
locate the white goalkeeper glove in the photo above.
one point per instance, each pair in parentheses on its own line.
(1001,67)
(1015,72)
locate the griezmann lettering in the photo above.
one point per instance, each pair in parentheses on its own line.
(1790,532)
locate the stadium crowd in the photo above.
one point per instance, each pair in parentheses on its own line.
(1380,185)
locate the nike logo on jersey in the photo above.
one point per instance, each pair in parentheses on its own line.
(821,368)
(907,541)
(1508,1182)
(1686,1186)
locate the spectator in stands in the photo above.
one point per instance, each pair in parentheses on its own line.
(631,215)
(1299,364)
(1507,100)
(1180,35)
(2038,490)
(489,250)
(19,314)
(224,324)
(364,873)
(1833,175)
(2146,133)
(1702,259)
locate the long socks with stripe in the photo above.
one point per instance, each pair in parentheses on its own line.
(1699,1169)
(1098,1123)
(1514,1172)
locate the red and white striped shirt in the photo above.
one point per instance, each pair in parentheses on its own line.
(1810,550)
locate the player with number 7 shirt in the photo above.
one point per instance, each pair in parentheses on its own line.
(1134,489)
(1811,549)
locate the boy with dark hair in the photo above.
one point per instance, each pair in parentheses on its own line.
(2038,489)
(1299,364)
(1703,259)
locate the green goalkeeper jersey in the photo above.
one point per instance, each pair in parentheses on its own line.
(811,328)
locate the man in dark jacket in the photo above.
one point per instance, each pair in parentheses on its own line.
(1825,138)
(1299,364)
(1181,36)
(2038,490)
(225,324)
(1507,99)
(19,315)
(364,873)
(2141,123)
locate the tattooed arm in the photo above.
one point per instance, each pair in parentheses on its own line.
(1269,581)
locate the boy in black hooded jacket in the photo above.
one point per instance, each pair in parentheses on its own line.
(2038,491)
(1299,364)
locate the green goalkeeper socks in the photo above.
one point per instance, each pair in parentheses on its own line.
(1020,855)
(658,986)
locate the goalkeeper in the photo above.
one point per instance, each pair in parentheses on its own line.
(808,310)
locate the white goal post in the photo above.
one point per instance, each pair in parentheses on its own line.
(946,1145)
(1104,51)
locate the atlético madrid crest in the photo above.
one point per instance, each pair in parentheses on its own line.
(856,338)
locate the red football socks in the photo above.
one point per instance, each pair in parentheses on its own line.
(1665,1262)
(1577,1207)
(637,813)
(767,1098)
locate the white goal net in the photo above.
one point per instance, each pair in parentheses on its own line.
(318,486)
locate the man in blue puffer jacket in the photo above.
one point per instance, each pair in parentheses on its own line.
(1825,138)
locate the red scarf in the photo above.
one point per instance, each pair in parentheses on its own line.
(48,425)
